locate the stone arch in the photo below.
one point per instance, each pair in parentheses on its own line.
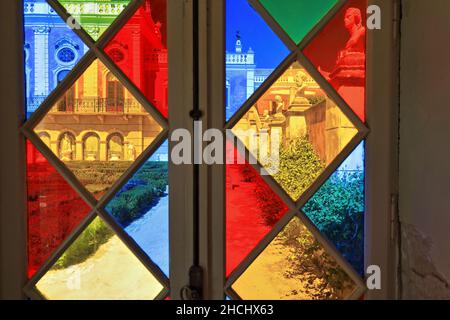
(45,137)
(115,146)
(91,147)
(66,146)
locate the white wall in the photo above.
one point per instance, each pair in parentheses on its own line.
(425,149)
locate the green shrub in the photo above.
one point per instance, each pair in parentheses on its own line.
(96,234)
(322,276)
(337,209)
(299,166)
(140,194)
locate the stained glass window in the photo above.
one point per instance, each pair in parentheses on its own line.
(252,209)
(253,52)
(141,207)
(339,53)
(97,265)
(51,50)
(337,209)
(97,164)
(54,209)
(93,16)
(140,50)
(298,17)
(296,200)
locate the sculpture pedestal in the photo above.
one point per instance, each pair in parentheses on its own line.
(349,80)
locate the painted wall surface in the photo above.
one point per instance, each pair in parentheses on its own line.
(425,149)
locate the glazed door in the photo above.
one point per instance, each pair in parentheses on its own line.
(307,197)
(98,192)
(297,202)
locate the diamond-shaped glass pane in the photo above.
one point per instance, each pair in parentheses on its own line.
(295,130)
(298,17)
(339,53)
(294,266)
(98,266)
(253,52)
(141,207)
(252,209)
(51,50)
(94,16)
(337,209)
(98,129)
(54,209)
(140,50)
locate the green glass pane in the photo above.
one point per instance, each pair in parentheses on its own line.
(298,17)
(94,16)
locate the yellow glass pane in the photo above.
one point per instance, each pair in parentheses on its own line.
(294,266)
(97,128)
(295,130)
(98,266)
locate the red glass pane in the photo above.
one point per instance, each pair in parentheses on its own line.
(339,52)
(140,50)
(54,209)
(252,210)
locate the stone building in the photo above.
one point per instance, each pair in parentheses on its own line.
(97,119)
(295,106)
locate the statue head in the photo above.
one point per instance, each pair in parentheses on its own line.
(300,77)
(352,18)
(278,99)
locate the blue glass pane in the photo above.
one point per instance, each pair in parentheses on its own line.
(253,52)
(141,207)
(337,209)
(52,49)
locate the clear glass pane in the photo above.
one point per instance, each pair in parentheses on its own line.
(98,129)
(294,266)
(98,266)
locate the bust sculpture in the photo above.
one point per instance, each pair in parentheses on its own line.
(353,24)
(351,59)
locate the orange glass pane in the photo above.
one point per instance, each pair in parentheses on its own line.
(97,129)
(294,266)
(252,209)
(298,119)
(140,50)
(54,209)
(98,266)
(339,52)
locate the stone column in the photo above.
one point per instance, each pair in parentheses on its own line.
(137,67)
(79,150)
(250,82)
(103,151)
(41,60)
